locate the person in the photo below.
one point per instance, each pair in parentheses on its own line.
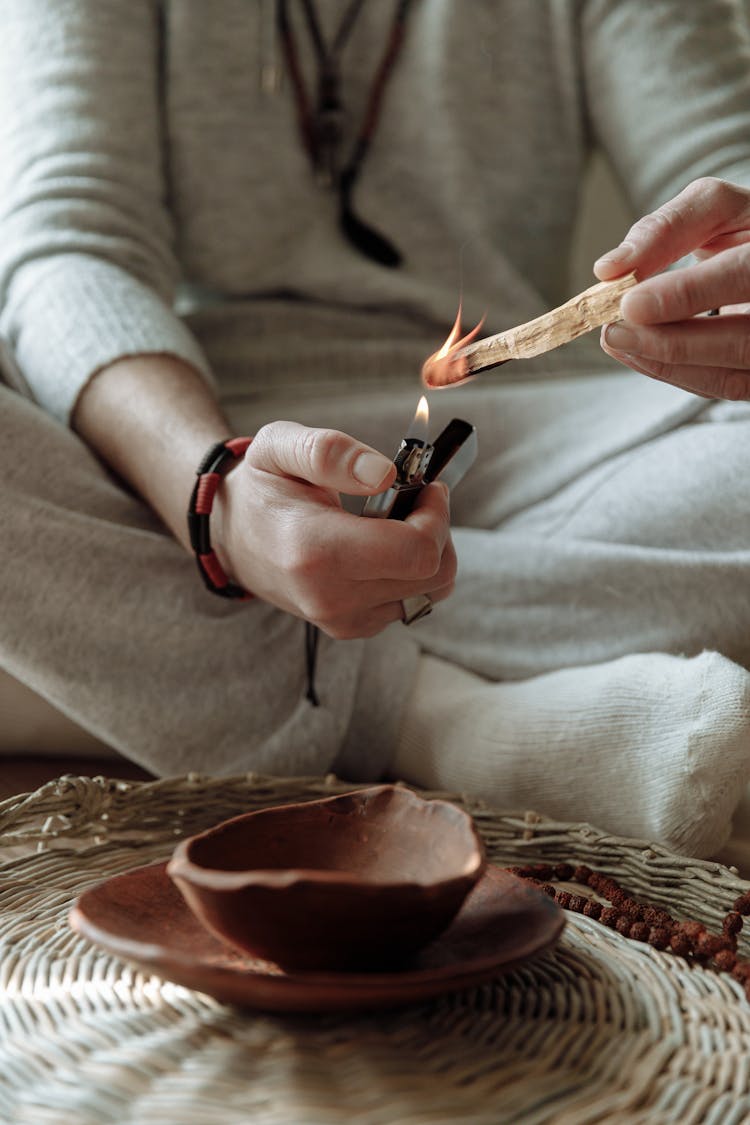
(192,249)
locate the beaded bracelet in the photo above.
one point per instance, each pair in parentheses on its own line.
(209,473)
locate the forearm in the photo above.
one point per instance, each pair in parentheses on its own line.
(151,418)
(278,526)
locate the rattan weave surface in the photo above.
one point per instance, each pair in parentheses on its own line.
(602,1029)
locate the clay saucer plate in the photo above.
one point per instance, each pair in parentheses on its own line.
(141,917)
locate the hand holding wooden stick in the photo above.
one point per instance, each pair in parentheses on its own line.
(588,310)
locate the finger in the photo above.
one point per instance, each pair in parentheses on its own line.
(326,458)
(707,382)
(362,625)
(373,620)
(438,585)
(722,242)
(705,209)
(401,550)
(329,546)
(684,293)
(701,341)
(431,515)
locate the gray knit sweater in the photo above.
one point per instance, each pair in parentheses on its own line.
(143,169)
(138,153)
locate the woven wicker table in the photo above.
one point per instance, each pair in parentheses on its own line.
(601,1029)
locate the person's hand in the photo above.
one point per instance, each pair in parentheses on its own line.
(280,530)
(663,333)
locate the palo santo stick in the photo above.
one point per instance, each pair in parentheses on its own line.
(588,310)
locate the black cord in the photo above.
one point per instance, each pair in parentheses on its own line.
(312,639)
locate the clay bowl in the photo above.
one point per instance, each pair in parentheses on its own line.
(359,881)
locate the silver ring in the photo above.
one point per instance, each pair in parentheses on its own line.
(414,608)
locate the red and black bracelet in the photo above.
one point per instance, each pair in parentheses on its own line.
(209,473)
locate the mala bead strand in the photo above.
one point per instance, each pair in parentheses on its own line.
(641,922)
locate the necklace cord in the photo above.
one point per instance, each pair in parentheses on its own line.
(321,131)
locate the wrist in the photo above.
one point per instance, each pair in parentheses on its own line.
(221,524)
(210,474)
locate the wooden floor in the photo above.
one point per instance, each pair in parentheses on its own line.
(22,774)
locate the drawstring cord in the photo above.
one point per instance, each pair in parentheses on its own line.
(312,639)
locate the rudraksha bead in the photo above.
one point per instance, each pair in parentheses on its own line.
(725,960)
(680,944)
(692,929)
(564,872)
(577,903)
(563,899)
(708,945)
(742,904)
(619,898)
(622,925)
(597,881)
(633,910)
(609,916)
(548,890)
(582,874)
(659,937)
(732,923)
(639,931)
(593,909)
(741,971)
(658,917)
(543,871)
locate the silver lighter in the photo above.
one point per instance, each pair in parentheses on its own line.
(418,463)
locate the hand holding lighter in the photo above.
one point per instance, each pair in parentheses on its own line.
(418,463)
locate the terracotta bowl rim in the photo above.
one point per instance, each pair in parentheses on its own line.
(180,866)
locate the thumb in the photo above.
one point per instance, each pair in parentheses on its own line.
(326,458)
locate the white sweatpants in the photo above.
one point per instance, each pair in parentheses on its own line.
(607,515)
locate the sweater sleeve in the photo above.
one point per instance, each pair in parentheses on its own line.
(88,269)
(668,91)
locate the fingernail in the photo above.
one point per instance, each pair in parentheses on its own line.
(641,306)
(371,469)
(620,338)
(619,256)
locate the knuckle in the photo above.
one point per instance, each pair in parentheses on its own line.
(316,607)
(320,450)
(710,187)
(267,437)
(447,588)
(452,569)
(334,629)
(425,558)
(725,197)
(350,629)
(657,224)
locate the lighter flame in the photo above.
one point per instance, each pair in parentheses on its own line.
(420,426)
(444,367)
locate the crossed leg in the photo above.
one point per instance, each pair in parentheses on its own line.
(601,548)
